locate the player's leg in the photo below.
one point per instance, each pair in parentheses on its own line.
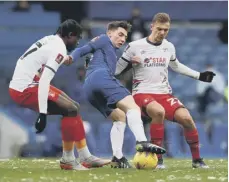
(78,133)
(117,138)
(156,112)
(80,140)
(183,117)
(133,114)
(175,111)
(72,128)
(97,100)
(71,124)
(57,105)
(117,132)
(117,96)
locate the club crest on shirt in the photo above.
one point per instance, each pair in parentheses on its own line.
(165,49)
(142,52)
(59,58)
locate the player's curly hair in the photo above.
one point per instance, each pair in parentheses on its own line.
(116,24)
(68,26)
(161,18)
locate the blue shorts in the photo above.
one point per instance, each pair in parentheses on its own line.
(103,91)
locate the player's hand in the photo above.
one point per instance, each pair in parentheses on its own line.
(136,60)
(40,123)
(207,76)
(94,39)
(67,60)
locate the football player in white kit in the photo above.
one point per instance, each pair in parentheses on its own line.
(29,91)
(150,57)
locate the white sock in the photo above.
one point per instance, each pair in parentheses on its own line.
(68,155)
(84,153)
(117,137)
(136,125)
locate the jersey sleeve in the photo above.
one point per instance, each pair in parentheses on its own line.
(55,61)
(128,53)
(184,70)
(122,66)
(173,53)
(52,65)
(91,47)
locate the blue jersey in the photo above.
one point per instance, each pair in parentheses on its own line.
(104,54)
(101,88)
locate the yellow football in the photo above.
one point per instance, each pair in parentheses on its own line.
(145,160)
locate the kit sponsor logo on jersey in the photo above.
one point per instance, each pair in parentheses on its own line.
(155,62)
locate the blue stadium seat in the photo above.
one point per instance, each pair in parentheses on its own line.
(97,31)
(23,20)
(220,139)
(103,139)
(22,37)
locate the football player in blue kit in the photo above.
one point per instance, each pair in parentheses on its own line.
(105,92)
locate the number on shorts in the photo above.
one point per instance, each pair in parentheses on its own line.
(174,101)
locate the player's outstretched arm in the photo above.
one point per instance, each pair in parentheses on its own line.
(206,76)
(43,90)
(55,60)
(178,67)
(90,47)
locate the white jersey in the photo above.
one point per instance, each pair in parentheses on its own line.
(48,51)
(151,75)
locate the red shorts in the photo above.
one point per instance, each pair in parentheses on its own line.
(167,101)
(29,97)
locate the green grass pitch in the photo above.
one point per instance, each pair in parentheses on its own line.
(45,170)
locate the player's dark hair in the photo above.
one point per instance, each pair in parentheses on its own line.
(116,24)
(68,26)
(161,18)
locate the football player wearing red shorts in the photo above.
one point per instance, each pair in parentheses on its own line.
(150,57)
(37,94)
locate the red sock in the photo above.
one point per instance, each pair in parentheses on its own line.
(67,129)
(193,142)
(79,129)
(157,135)
(72,128)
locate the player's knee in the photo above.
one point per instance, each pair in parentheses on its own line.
(133,107)
(118,115)
(73,109)
(158,112)
(127,104)
(77,105)
(187,122)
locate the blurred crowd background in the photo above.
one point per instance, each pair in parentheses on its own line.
(199,32)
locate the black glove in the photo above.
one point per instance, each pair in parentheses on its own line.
(40,123)
(207,76)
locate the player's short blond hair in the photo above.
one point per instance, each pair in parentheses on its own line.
(161,18)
